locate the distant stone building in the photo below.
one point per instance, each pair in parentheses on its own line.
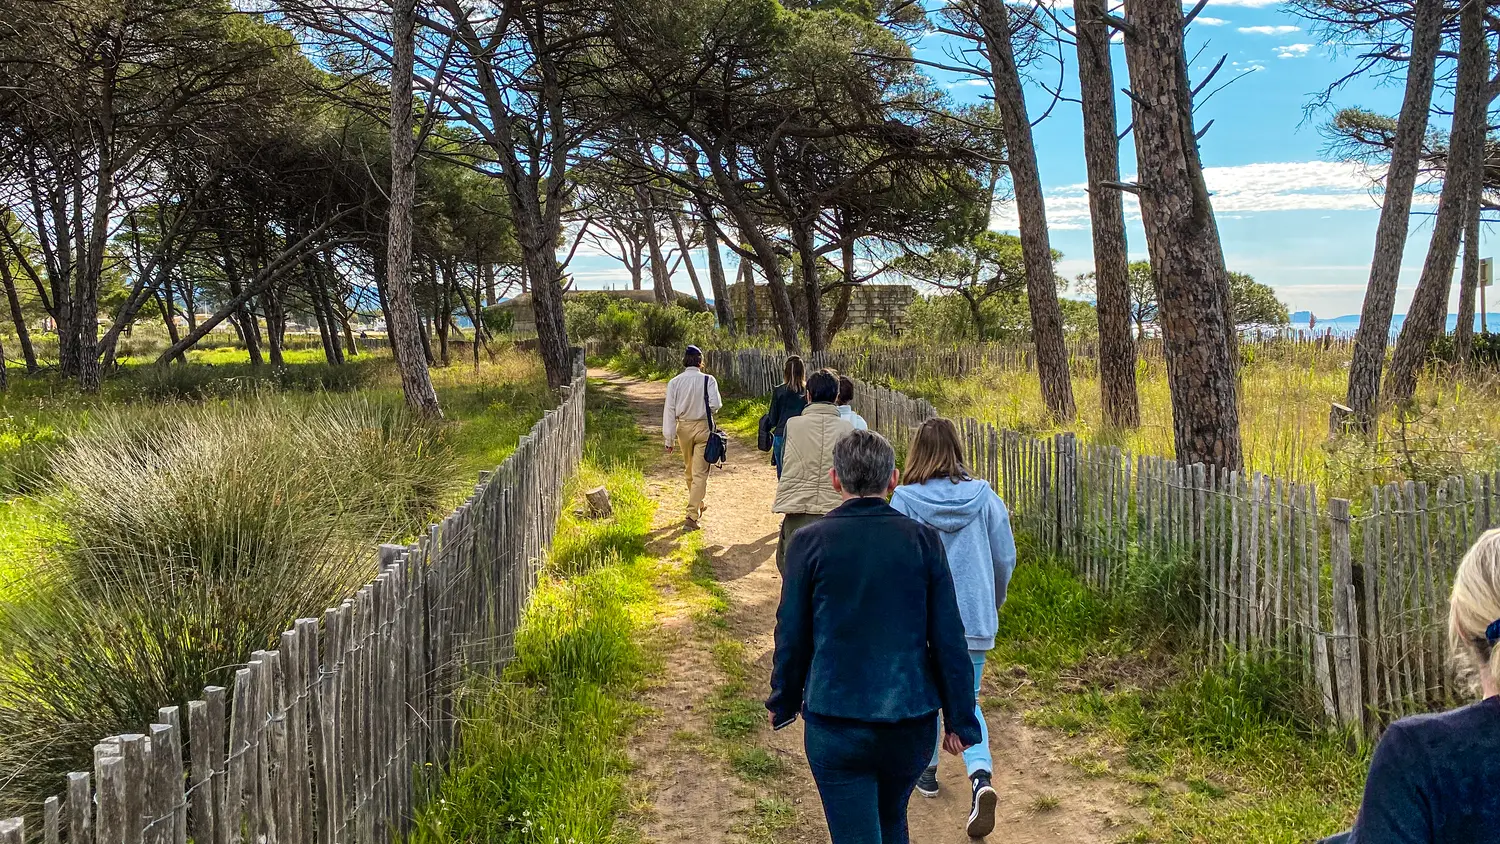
(870,305)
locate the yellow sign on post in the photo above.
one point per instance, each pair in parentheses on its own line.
(1486,272)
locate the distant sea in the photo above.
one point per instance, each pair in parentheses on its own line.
(1348,323)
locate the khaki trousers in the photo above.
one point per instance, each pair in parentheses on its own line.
(692,439)
(790,524)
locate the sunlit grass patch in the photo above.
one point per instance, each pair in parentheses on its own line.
(542,756)
(1232,752)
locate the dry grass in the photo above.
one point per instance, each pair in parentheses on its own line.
(1285,401)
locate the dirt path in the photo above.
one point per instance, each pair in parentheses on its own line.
(688,792)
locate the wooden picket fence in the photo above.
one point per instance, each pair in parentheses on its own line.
(1353,594)
(336,736)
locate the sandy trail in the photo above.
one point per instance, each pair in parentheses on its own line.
(685,796)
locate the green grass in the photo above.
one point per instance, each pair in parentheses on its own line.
(542,755)
(486,411)
(267,488)
(1228,753)
(741,416)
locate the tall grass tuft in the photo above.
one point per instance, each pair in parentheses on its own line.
(190,537)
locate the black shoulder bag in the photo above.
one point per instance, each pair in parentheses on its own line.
(718,441)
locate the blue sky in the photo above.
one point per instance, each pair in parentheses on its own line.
(1287,214)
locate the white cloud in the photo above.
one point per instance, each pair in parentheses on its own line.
(1241,190)
(968,83)
(1269,30)
(1207,21)
(1293,51)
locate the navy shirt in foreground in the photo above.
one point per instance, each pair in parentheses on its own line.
(1435,779)
(868,628)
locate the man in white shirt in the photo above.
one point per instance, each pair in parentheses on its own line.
(684,424)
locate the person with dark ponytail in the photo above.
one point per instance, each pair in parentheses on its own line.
(787,401)
(1434,778)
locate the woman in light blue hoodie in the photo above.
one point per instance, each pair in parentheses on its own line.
(975,528)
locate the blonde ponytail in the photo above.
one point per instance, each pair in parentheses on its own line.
(1475,606)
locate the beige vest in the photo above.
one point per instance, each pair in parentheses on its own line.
(806,458)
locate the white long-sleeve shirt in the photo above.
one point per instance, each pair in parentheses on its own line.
(685,400)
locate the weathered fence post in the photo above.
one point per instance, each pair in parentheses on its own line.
(1346,644)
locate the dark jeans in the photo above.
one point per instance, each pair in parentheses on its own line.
(777,444)
(790,524)
(865,774)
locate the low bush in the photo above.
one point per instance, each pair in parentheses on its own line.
(188,538)
(664,326)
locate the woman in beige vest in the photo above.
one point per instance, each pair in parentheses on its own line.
(805,491)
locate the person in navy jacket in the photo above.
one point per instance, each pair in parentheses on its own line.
(870,648)
(1434,777)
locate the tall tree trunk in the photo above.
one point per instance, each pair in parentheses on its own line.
(1390,234)
(1429,304)
(190,304)
(812,286)
(723,307)
(1182,238)
(385,308)
(249,330)
(976,313)
(687,258)
(752,306)
(1468,286)
(538,240)
(847,270)
(748,224)
(168,308)
(1036,247)
(416,381)
(23,334)
(270,302)
(1101,149)
(491,297)
(351,348)
(442,314)
(661,279)
(321,319)
(323,272)
(840,313)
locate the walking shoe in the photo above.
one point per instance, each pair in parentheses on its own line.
(982,814)
(927,784)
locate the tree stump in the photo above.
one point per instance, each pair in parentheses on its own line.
(1340,418)
(599,506)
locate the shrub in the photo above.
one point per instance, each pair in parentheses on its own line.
(498,320)
(617,326)
(582,315)
(690,304)
(192,537)
(197,382)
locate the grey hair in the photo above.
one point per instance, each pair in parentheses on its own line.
(864,462)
